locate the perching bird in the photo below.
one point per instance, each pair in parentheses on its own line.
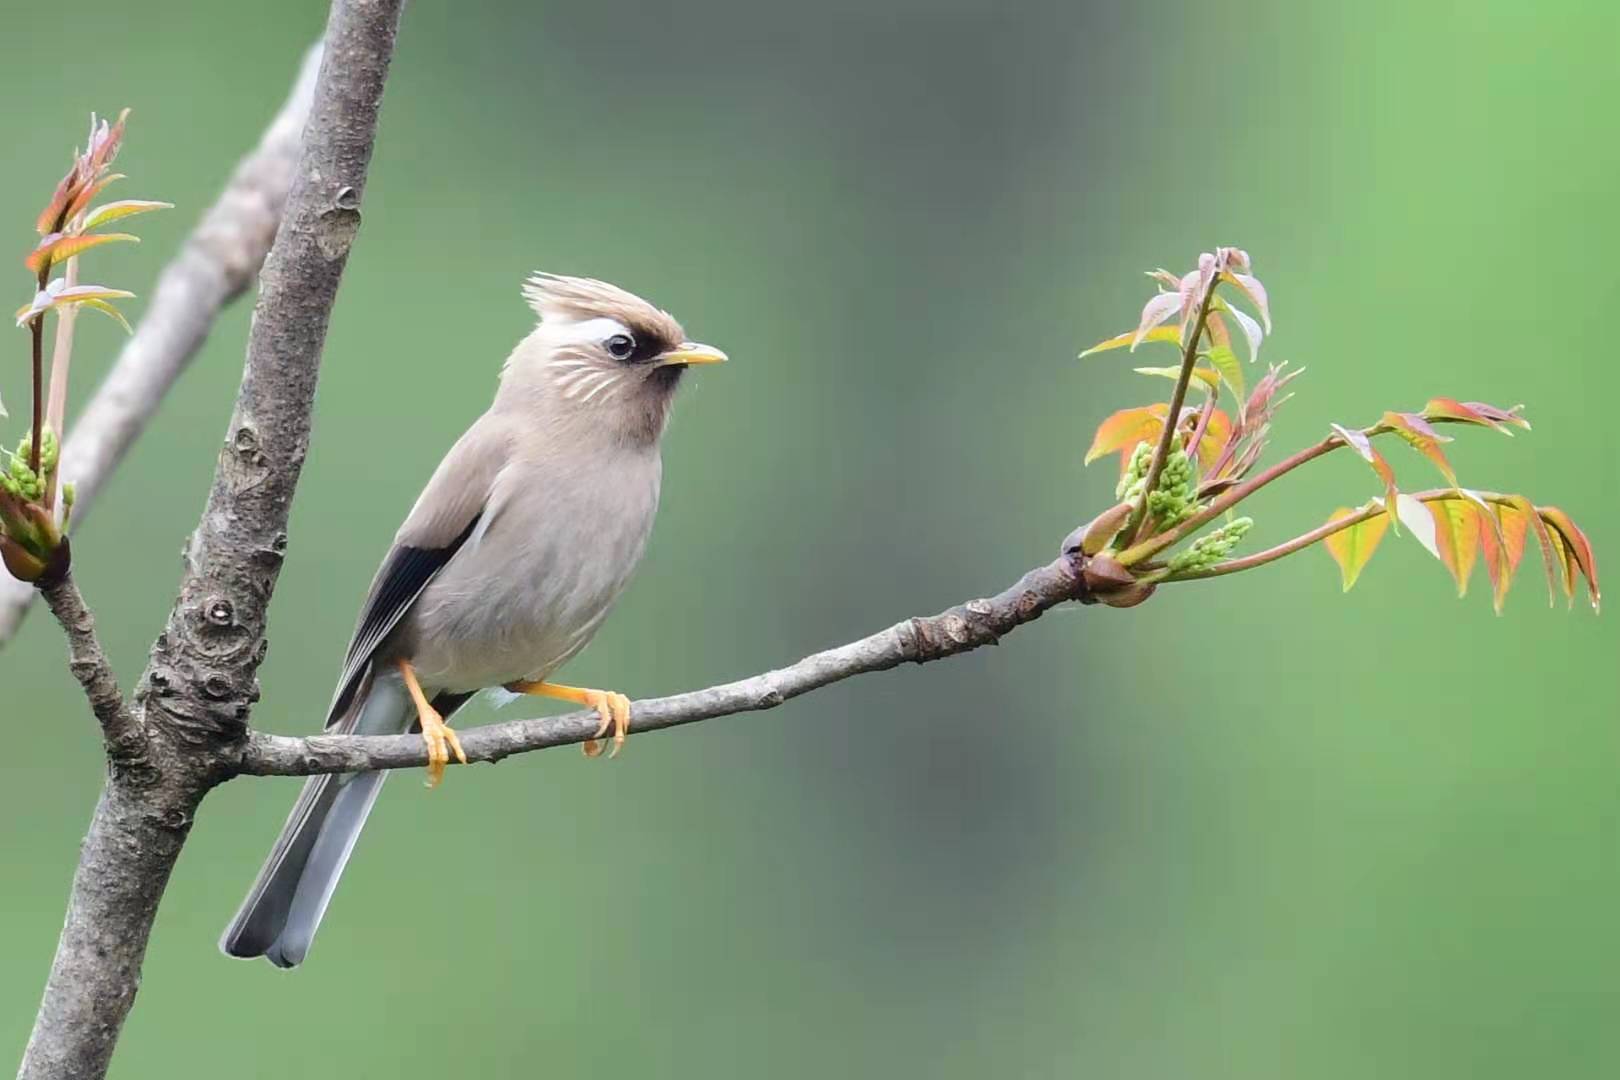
(508,563)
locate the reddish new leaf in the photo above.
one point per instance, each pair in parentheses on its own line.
(1456,536)
(1353,547)
(1550,561)
(1578,553)
(1475,412)
(1423,438)
(1501,541)
(1362,445)
(1250,287)
(57,247)
(1154,312)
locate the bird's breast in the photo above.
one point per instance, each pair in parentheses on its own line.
(538,575)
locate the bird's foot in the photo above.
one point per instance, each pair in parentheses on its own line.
(441,739)
(613,709)
(439,736)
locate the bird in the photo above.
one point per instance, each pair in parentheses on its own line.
(504,569)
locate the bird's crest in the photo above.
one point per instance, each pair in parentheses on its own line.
(575,299)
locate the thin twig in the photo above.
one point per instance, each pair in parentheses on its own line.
(124,736)
(1172,420)
(956,630)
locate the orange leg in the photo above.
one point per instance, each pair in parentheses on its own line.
(436,733)
(612,708)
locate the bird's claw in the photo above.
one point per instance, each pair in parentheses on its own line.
(614,711)
(441,739)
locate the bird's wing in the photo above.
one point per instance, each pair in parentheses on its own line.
(445,515)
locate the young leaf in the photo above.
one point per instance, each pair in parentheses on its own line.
(58,295)
(1456,533)
(1208,376)
(123,208)
(57,247)
(1579,549)
(1216,436)
(1564,564)
(1501,542)
(1415,516)
(1126,428)
(1224,360)
(1475,412)
(1423,438)
(1353,547)
(108,310)
(1518,504)
(1250,287)
(1119,341)
(1362,445)
(1154,312)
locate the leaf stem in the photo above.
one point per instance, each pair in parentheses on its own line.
(36,330)
(1172,419)
(1153,545)
(1321,532)
(61,358)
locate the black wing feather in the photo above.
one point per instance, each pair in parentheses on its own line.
(401,580)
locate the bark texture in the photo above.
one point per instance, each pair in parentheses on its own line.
(192,704)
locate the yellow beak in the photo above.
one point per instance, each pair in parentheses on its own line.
(690,352)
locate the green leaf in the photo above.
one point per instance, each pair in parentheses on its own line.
(1120,341)
(123,208)
(1353,547)
(1208,376)
(1224,360)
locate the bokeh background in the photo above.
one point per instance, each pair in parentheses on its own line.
(1254,829)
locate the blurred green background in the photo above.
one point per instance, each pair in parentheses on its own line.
(1253,829)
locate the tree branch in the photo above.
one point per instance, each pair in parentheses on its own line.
(215,265)
(957,630)
(124,737)
(199,685)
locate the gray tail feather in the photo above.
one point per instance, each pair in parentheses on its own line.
(284,908)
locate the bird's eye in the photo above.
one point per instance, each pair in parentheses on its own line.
(620,346)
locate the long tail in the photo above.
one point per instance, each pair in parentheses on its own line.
(282,911)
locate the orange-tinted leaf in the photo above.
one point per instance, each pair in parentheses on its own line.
(1580,555)
(1123,430)
(82,199)
(1362,445)
(1502,548)
(123,208)
(52,216)
(1423,438)
(1475,412)
(1353,547)
(1563,564)
(1550,561)
(57,247)
(1456,535)
(1216,436)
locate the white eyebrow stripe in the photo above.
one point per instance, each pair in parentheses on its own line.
(589,331)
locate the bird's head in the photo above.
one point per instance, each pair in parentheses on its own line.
(603,356)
